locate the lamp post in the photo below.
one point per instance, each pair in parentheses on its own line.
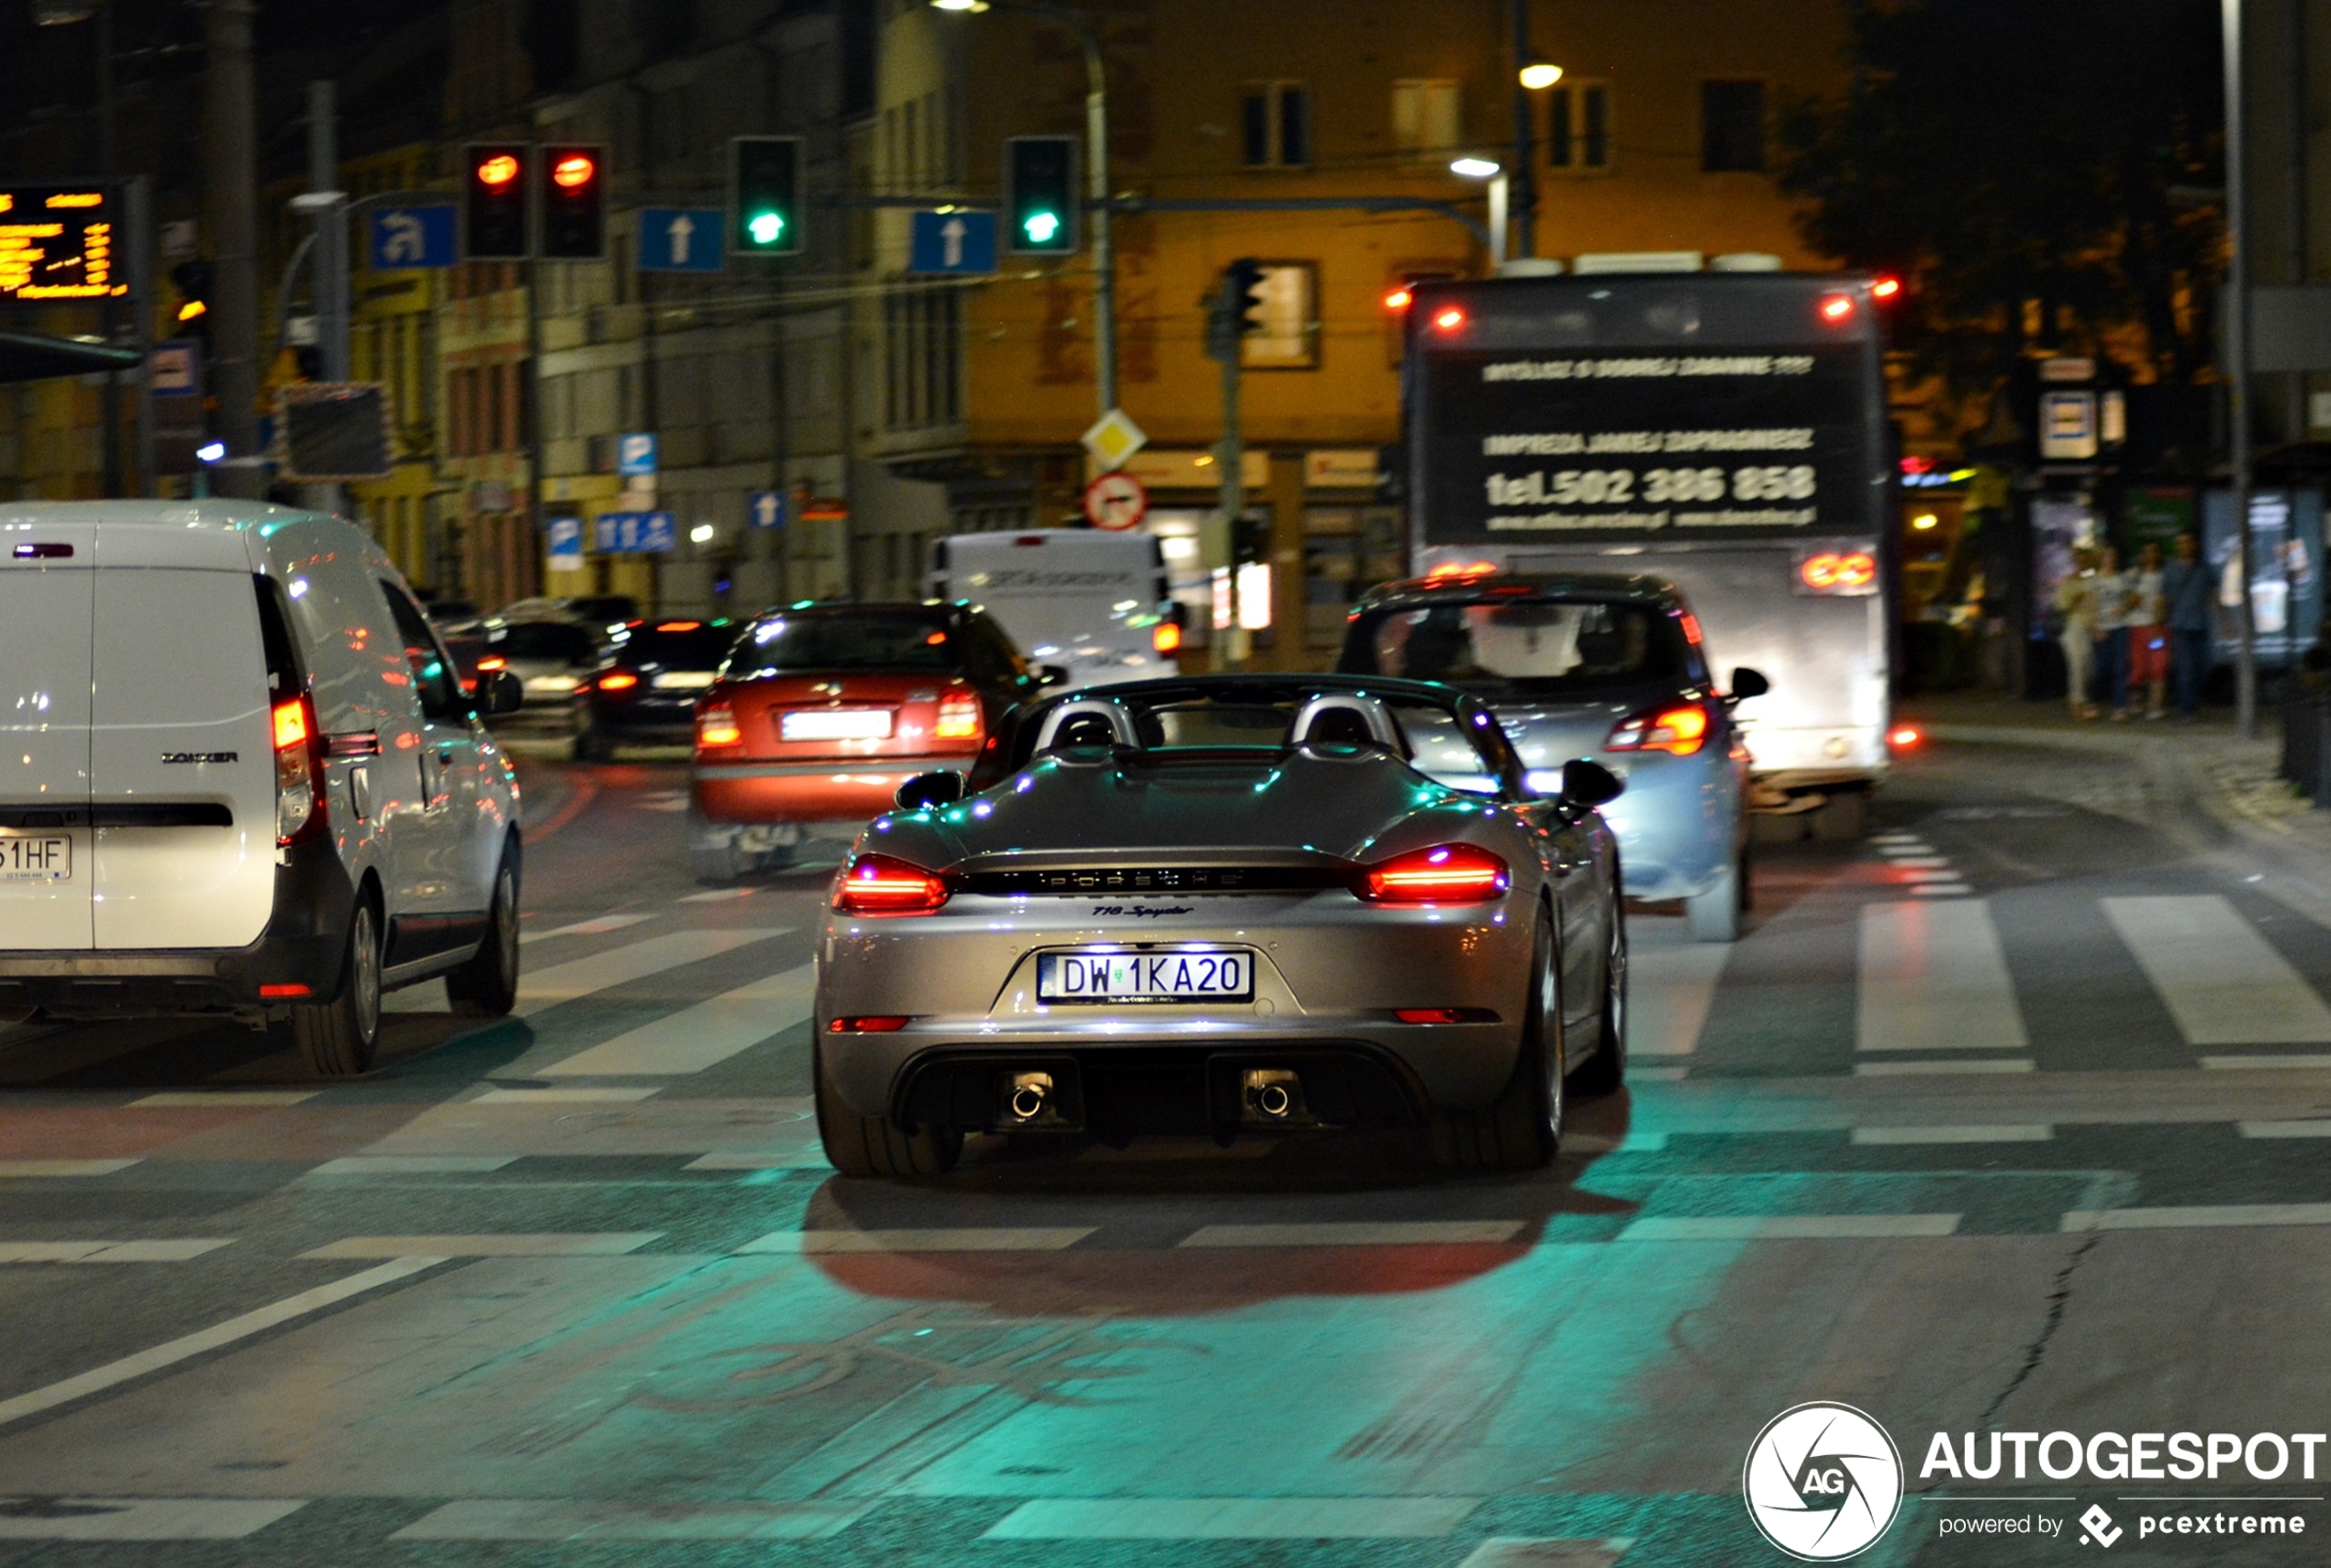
(1096,178)
(2236,325)
(1472,167)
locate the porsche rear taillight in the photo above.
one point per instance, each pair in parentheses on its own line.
(717,726)
(299,772)
(958,717)
(1679,730)
(880,884)
(1447,874)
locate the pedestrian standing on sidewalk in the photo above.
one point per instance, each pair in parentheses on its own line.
(2148,632)
(2076,609)
(2188,587)
(2112,587)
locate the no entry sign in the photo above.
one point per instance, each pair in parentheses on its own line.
(1115,500)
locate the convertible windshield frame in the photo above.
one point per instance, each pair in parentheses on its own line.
(1638,642)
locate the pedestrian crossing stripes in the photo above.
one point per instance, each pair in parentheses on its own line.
(140,1519)
(1233,1518)
(546,988)
(1931,977)
(587,1519)
(2225,983)
(174,1249)
(702,1035)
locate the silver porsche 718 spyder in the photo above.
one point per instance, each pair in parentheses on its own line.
(1226,905)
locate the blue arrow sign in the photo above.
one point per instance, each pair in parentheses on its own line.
(766,509)
(952,244)
(681,239)
(405,237)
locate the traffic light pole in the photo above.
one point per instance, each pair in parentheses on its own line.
(1097,176)
(1227,645)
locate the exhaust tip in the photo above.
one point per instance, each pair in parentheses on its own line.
(1271,1094)
(1273,1100)
(1029,1096)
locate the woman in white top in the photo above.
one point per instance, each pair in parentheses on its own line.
(2076,602)
(2149,633)
(2113,587)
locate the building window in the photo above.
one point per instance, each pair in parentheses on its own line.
(923,358)
(1277,120)
(1578,126)
(1425,118)
(1288,338)
(1732,126)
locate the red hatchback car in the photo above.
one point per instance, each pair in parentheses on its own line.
(823,710)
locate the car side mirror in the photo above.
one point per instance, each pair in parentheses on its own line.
(500,692)
(943,788)
(1748,683)
(1589,783)
(1051,674)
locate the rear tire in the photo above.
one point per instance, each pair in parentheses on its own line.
(1716,915)
(1606,1070)
(486,986)
(338,1038)
(870,1145)
(1844,818)
(1521,1130)
(713,852)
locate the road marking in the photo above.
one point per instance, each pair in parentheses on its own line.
(1384,1233)
(1671,985)
(97,1379)
(717,895)
(2197,1215)
(562,1096)
(1941,890)
(2003,1132)
(1232,1519)
(1631,1143)
(64,1167)
(212,1099)
(1942,1068)
(1787,1226)
(702,1036)
(547,988)
(1924,875)
(173,1249)
(741,1160)
(518,1518)
(964,1239)
(496,1244)
(597,927)
(412,1165)
(1932,978)
(1914,858)
(1547,1551)
(140,1519)
(2320,1128)
(2221,980)
(2266,1063)
(1658,1074)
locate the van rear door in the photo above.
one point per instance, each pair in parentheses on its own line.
(181,757)
(47,582)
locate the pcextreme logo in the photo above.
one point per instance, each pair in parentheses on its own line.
(1823,1481)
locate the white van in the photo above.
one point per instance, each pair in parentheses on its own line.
(1094,602)
(239,775)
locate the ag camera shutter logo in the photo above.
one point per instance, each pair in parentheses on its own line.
(1823,1481)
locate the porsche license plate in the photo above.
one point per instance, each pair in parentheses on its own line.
(1184,974)
(35,857)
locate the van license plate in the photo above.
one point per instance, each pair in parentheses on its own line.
(35,857)
(1185,974)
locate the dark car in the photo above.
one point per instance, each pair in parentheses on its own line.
(645,695)
(823,710)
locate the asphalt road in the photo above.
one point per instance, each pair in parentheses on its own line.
(2006,1120)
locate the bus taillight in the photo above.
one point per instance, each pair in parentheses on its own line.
(1838,571)
(1836,308)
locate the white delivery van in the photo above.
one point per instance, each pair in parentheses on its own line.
(1092,602)
(238,777)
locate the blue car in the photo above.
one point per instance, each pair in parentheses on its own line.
(1605,667)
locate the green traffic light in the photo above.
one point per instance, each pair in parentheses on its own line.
(766,228)
(1041,227)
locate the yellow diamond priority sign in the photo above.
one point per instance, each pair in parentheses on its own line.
(1113,439)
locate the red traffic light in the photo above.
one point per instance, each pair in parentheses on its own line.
(1885,286)
(497,171)
(574,169)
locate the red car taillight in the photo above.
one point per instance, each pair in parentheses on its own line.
(958,717)
(717,726)
(299,772)
(878,884)
(1447,874)
(1679,730)
(617,681)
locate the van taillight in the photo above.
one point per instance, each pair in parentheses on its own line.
(299,772)
(958,719)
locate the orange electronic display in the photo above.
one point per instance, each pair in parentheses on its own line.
(58,242)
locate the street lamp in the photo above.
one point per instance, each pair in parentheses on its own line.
(1472,166)
(1539,74)
(1096,177)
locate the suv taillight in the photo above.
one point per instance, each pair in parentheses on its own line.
(879,884)
(1445,873)
(958,717)
(1681,730)
(299,772)
(717,726)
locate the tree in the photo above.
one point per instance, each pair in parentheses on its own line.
(1996,153)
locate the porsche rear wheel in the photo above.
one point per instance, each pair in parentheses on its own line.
(871,1145)
(1521,1130)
